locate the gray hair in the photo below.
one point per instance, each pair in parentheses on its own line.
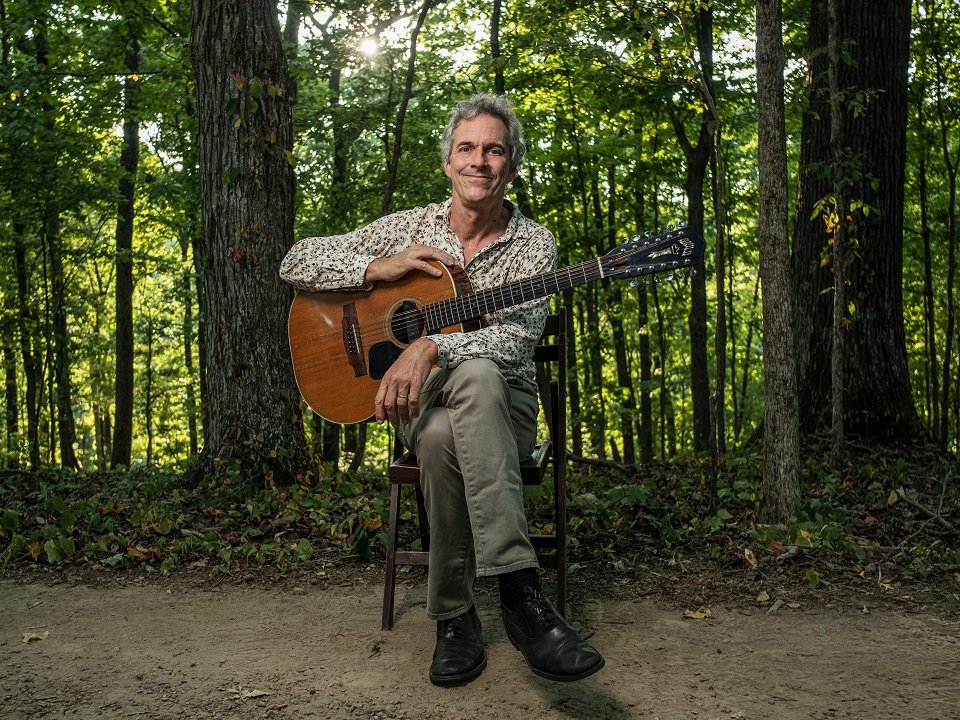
(486,104)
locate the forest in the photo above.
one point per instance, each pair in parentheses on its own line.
(160,157)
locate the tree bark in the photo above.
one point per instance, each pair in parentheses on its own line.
(247,187)
(627,398)
(951,162)
(11,405)
(27,322)
(781,446)
(61,392)
(129,161)
(877,397)
(697,159)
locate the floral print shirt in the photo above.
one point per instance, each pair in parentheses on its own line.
(525,249)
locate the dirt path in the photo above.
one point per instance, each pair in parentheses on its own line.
(172,649)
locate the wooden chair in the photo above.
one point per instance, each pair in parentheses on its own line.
(549,455)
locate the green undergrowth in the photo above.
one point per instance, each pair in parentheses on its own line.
(904,506)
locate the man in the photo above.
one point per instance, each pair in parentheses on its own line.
(466,402)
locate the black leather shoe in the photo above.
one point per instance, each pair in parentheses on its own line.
(551,648)
(459,655)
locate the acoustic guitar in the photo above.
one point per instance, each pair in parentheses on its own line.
(342,343)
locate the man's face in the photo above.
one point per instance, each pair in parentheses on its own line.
(479,164)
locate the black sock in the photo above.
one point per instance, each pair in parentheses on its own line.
(513,586)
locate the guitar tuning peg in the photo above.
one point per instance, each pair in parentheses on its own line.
(669,228)
(681,225)
(634,283)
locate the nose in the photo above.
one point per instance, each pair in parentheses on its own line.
(478,157)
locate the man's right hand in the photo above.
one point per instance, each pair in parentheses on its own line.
(398,398)
(415,257)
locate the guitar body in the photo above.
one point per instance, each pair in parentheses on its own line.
(341,343)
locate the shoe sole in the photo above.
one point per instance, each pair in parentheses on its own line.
(550,676)
(448,680)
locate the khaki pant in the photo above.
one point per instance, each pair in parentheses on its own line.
(473,428)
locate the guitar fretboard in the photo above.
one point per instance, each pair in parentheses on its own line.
(471,306)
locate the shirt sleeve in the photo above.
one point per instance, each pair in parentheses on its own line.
(339,262)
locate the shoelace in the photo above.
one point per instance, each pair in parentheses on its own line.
(541,610)
(454,627)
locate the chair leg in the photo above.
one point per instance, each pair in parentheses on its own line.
(390,572)
(561,526)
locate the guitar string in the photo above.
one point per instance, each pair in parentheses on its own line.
(452,311)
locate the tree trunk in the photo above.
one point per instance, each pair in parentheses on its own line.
(27,322)
(781,446)
(573,379)
(931,365)
(186,280)
(12,405)
(628,401)
(393,165)
(247,186)
(148,388)
(66,427)
(61,391)
(877,398)
(717,409)
(129,161)
(697,159)
(838,232)
(951,161)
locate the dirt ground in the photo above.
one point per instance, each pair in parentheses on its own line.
(311,647)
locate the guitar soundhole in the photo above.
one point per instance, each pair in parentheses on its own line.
(406,325)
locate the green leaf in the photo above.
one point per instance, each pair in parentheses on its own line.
(54,554)
(10,520)
(304,549)
(361,543)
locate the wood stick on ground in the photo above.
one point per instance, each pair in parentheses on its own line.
(936,516)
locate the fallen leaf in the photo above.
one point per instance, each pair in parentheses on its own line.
(750,557)
(700,614)
(791,553)
(763,597)
(29,637)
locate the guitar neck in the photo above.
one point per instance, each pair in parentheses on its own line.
(471,306)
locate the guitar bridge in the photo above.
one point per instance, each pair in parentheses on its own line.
(353,341)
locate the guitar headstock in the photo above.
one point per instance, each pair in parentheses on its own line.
(679,247)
